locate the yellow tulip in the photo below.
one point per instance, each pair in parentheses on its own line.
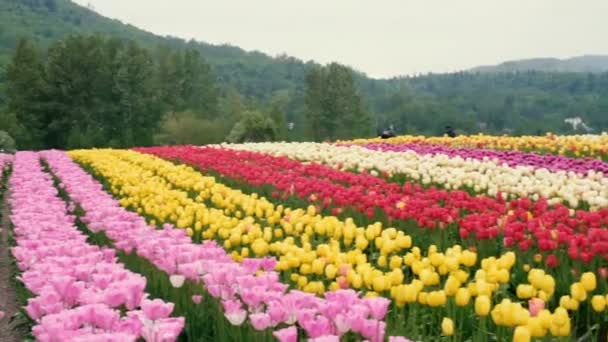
(380,284)
(436,298)
(521,334)
(462,297)
(598,303)
(468,258)
(259,247)
(452,285)
(395,262)
(318,266)
(305,269)
(588,281)
(423,298)
(331,271)
(396,276)
(545,318)
(525,291)
(577,291)
(482,305)
(535,326)
(382,261)
(302,281)
(447,326)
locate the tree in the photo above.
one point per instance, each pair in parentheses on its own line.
(277,110)
(25,76)
(188,128)
(334,107)
(198,90)
(254,126)
(7,144)
(315,80)
(187,82)
(77,101)
(137,105)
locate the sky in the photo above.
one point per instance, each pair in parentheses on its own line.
(382,38)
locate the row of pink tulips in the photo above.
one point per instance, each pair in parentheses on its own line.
(79,290)
(249,291)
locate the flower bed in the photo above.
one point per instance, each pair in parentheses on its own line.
(245,293)
(434,292)
(80,292)
(451,173)
(593,146)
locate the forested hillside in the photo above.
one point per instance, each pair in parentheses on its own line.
(597,63)
(236,89)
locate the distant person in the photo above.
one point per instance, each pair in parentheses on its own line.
(388,133)
(449,131)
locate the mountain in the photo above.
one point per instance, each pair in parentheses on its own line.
(253,73)
(585,64)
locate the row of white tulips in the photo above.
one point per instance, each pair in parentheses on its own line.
(488,176)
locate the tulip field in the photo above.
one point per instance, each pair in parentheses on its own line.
(474,238)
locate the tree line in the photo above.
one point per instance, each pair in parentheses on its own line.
(96,91)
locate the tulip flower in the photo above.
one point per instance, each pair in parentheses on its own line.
(197,299)
(521,334)
(535,305)
(598,303)
(286,334)
(447,326)
(482,305)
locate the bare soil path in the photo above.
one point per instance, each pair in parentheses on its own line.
(9,330)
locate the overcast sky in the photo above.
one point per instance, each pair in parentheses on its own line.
(382,38)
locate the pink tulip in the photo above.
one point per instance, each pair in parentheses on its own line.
(286,334)
(316,327)
(373,329)
(234,312)
(156,309)
(260,321)
(197,299)
(398,339)
(535,305)
(378,306)
(325,338)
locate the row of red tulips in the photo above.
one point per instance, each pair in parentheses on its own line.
(529,226)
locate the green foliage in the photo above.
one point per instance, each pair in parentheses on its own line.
(254,126)
(7,144)
(25,92)
(101,91)
(518,103)
(186,82)
(334,107)
(10,124)
(93,91)
(187,128)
